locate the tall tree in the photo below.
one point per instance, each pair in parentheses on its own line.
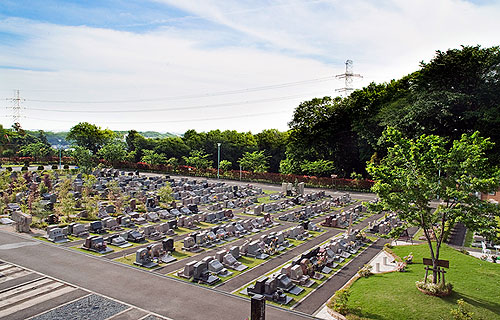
(416,172)
(36,150)
(113,152)
(255,161)
(198,159)
(89,136)
(84,158)
(322,129)
(151,157)
(273,143)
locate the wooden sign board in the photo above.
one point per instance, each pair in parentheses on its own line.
(440,263)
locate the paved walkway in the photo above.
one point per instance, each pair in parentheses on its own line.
(28,294)
(161,295)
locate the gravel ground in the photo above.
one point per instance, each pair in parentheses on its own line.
(93,307)
(151,317)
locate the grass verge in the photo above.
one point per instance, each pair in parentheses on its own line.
(394,295)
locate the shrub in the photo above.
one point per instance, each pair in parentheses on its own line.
(40,167)
(54,167)
(435,289)
(464,251)
(340,300)
(9,169)
(24,168)
(66,166)
(462,311)
(39,224)
(388,245)
(366,271)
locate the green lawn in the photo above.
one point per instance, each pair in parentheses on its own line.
(266,191)
(394,295)
(468,238)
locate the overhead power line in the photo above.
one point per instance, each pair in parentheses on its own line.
(176,121)
(193,96)
(217,105)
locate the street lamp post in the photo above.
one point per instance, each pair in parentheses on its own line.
(59,154)
(218,159)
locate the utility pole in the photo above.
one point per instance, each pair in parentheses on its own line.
(349,75)
(218,159)
(16,107)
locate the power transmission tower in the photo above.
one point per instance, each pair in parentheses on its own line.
(348,76)
(16,107)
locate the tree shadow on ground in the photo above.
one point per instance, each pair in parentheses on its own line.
(363,314)
(479,303)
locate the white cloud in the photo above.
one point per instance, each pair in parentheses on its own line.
(244,44)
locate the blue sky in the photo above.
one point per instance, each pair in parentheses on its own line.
(189,63)
(129,15)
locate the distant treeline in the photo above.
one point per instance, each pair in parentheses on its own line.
(457,92)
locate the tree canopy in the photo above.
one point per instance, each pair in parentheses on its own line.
(417,172)
(89,136)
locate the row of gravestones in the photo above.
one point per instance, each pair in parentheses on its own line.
(153,254)
(301,271)
(289,189)
(223,233)
(342,220)
(209,269)
(233,204)
(385,225)
(307,212)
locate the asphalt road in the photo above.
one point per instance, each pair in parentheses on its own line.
(168,297)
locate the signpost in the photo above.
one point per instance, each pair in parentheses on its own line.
(440,265)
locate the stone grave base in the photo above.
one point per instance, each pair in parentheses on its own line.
(107,250)
(123,245)
(167,258)
(148,265)
(326,270)
(262,256)
(241,267)
(318,276)
(296,290)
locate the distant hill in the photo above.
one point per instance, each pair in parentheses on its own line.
(150,134)
(59,138)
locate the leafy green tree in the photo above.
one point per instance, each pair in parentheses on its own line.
(174,162)
(273,143)
(233,143)
(84,159)
(151,157)
(416,172)
(165,194)
(255,161)
(36,150)
(198,159)
(286,166)
(322,129)
(113,152)
(89,136)
(173,147)
(225,165)
(318,167)
(136,143)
